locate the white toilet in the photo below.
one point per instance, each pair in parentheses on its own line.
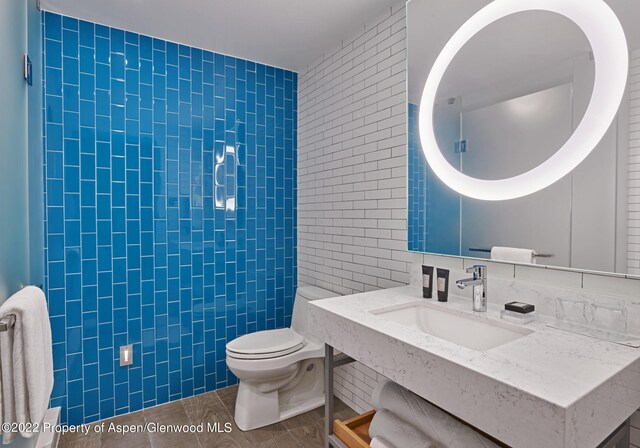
(281,372)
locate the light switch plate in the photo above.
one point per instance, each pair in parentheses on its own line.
(126,355)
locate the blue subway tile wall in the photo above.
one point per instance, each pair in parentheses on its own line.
(433,223)
(417,186)
(170,196)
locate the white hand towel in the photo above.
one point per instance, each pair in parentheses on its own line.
(513,254)
(26,359)
(388,426)
(445,430)
(380,442)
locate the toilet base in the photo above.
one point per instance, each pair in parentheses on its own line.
(256,408)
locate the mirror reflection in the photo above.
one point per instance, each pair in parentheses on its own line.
(508,101)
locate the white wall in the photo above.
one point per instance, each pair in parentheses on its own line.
(634,165)
(19,32)
(499,145)
(35,150)
(352,116)
(595,241)
(14,243)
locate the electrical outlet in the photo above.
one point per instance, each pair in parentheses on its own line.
(126,355)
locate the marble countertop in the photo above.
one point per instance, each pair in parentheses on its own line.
(549,388)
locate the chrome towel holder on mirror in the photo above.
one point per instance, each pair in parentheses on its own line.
(535,254)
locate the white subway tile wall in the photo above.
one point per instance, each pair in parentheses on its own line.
(352,184)
(634,164)
(352,163)
(352,173)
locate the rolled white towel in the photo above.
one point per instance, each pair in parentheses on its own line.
(443,429)
(513,254)
(380,442)
(399,433)
(26,360)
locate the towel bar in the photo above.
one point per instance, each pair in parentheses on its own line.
(535,254)
(4,325)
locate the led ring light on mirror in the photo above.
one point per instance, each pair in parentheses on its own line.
(608,43)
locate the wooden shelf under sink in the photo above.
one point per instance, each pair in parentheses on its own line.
(354,433)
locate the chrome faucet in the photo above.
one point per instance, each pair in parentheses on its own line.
(479,283)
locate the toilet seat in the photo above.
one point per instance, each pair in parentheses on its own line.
(265,344)
(281,372)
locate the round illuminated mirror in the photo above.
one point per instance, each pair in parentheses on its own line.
(506,105)
(477,80)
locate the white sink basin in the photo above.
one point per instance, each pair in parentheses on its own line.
(470,331)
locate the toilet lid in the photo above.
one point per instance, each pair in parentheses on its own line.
(268,343)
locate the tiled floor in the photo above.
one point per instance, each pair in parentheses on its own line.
(303,431)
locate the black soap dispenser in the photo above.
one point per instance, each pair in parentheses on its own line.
(427,281)
(443,285)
